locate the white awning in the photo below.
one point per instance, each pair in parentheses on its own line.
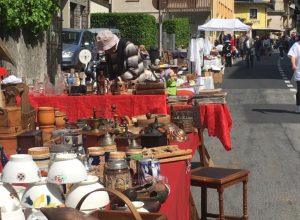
(218,24)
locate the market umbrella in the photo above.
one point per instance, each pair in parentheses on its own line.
(218,24)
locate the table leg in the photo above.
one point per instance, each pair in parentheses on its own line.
(245,199)
(221,203)
(203,203)
(193,209)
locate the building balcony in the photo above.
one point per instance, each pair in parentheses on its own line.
(189,5)
(252,1)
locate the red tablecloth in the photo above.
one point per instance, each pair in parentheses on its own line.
(82,106)
(217,119)
(177,205)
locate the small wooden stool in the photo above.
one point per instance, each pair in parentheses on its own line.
(219,179)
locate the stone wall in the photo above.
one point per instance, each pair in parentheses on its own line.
(30,58)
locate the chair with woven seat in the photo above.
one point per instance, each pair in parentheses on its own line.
(217,178)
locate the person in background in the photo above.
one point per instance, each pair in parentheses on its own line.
(248,49)
(241,46)
(267,46)
(294,55)
(281,46)
(123,58)
(258,47)
(292,40)
(227,53)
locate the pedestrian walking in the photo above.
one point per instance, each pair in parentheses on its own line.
(281,46)
(258,47)
(249,51)
(294,55)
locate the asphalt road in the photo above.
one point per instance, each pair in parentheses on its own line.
(265,140)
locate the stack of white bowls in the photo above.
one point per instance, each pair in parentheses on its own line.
(47,191)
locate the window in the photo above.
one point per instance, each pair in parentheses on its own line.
(253,13)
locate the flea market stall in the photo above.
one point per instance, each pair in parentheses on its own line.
(105,148)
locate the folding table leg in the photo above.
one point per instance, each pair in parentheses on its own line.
(245,199)
(221,203)
(193,209)
(203,203)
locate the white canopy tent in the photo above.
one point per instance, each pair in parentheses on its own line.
(218,24)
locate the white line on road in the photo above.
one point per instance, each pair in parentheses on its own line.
(287,81)
(290,85)
(293,90)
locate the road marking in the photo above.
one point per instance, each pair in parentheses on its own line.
(284,77)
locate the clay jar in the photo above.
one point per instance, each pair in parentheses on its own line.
(60,119)
(46,116)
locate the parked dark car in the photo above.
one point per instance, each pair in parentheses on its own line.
(73,41)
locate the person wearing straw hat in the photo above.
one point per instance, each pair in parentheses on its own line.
(123,58)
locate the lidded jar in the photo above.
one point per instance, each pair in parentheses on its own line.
(117,173)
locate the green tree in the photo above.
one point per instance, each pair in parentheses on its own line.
(34,16)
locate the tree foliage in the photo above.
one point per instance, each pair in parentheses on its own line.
(140,28)
(180,27)
(33,15)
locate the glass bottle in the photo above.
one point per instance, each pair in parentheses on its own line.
(4,159)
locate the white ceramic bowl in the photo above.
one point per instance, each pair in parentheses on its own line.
(93,201)
(9,200)
(66,168)
(42,194)
(21,169)
(14,215)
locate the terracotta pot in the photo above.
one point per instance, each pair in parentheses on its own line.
(59,119)
(47,132)
(45,116)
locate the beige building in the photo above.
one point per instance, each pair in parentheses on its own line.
(280,16)
(199,11)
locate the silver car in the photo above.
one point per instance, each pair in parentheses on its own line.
(73,41)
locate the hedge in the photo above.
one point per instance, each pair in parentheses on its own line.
(180,27)
(140,28)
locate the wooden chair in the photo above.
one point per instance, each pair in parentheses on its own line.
(217,178)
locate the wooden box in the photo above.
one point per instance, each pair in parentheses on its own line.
(10,120)
(154,140)
(9,142)
(29,139)
(217,75)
